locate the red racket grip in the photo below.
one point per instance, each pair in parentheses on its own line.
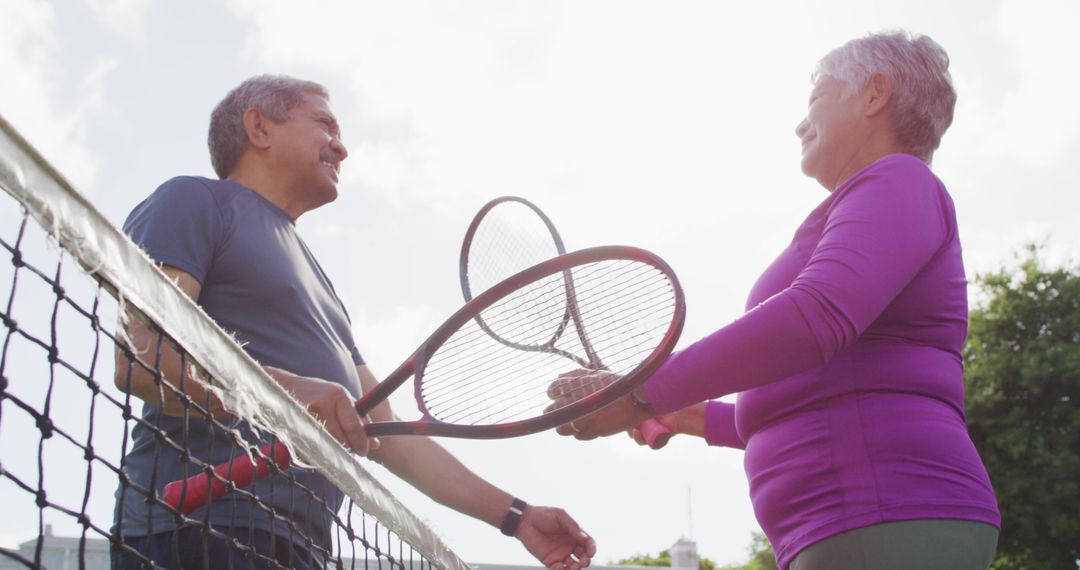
(197,490)
(655,433)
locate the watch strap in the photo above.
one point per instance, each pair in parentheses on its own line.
(513,517)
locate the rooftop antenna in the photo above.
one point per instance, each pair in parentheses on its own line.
(690,509)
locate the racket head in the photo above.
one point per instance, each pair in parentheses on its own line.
(506,235)
(468,384)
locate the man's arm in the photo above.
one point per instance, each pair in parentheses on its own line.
(150,348)
(325,400)
(548,533)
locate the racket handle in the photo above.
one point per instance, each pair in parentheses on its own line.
(238,472)
(655,433)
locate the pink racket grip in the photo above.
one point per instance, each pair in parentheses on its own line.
(197,490)
(655,433)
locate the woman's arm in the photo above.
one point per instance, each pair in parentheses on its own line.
(713,421)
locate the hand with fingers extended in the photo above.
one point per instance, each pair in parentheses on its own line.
(333,405)
(620,415)
(555,539)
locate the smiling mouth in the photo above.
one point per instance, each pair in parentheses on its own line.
(334,167)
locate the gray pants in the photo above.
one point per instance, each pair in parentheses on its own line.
(928,544)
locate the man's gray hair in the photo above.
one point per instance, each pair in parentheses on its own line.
(274,95)
(923,97)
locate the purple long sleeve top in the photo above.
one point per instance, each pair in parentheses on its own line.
(848,368)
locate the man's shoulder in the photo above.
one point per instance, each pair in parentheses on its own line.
(179,200)
(188,195)
(219,190)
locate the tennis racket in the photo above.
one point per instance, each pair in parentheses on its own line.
(507,235)
(475,382)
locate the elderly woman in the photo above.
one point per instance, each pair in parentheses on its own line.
(847,363)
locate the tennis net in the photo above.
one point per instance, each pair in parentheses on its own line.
(69,280)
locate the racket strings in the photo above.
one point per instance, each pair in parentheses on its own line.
(485,272)
(469,346)
(465,345)
(510,322)
(552,302)
(612,306)
(522,400)
(518,234)
(473,398)
(459,384)
(625,309)
(529,318)
(614,309)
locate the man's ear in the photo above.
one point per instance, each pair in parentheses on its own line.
(877,95)
(257,126)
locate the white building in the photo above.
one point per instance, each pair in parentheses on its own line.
(58,553)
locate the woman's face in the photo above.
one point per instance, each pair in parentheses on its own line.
(830,133)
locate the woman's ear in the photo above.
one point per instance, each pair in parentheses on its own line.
(877,94)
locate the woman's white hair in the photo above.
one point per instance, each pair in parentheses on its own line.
(923,97)
(274,95)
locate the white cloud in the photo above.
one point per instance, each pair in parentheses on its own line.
(32,99)
(398,334)
(458,103)
(123,17)
(1037,117)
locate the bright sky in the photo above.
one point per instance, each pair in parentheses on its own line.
(663,125)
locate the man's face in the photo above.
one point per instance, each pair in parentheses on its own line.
(308,150)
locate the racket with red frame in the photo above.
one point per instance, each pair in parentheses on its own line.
(473,380)
(507,235)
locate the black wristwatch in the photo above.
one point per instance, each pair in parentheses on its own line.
(513,517)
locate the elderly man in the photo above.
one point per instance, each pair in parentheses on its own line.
(232,245)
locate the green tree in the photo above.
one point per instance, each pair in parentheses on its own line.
(762,556)
(1022,381)
(663,559)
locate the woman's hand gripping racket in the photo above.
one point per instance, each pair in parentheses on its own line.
(473,379)
(507,235)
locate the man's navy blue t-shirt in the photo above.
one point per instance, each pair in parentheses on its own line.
(261,284)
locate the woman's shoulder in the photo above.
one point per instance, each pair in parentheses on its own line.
(897,169)
(895,176)
(896,186)
(902,162)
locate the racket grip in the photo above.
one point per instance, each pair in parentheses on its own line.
(236,473)
(655,433)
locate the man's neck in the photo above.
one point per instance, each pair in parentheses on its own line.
(265,184)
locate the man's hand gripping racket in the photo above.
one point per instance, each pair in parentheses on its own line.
(509,234)
(485,372)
